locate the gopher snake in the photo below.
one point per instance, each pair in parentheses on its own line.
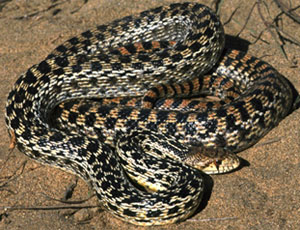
(56,113)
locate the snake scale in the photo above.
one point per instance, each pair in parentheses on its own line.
(150,133)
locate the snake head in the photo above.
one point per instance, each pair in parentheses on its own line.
(212,160)
(224,165)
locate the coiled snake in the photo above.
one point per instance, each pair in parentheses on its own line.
(148,132)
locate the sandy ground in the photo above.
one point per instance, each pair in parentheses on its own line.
(265,194)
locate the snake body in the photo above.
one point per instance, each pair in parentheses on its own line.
(164,47)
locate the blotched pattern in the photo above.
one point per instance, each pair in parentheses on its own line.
(163,51)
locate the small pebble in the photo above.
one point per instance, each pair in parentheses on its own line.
(82,215)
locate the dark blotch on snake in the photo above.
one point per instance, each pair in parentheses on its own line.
(96,66)
(87,34)
(29,77)
(59,71)
(74,41)
(62,61)
(56,137)
(155,213)
(128,212)
(44,67)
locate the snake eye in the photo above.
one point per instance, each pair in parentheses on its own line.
(218,162)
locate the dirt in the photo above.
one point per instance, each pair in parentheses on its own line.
(264,194)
